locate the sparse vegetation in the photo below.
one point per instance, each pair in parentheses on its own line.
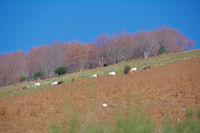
(186,126)
(122,124)
(189,112)
(138,124)
(127,68)
(55,128)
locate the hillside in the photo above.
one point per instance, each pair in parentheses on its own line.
(170,87)
(158,60)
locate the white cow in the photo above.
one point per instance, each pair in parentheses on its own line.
(54,83)
(111,73)
(94,76)
(105,105)
(36,85)
(133,69)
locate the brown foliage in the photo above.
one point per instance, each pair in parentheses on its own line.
(79,56)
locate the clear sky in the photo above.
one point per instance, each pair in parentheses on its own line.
(30,23)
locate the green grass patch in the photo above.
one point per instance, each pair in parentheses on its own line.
(198,113)
(186,126)
(136,124)
(189,112)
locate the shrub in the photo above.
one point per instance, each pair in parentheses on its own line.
(189,113)
(198,113)
(22,78)
(61,70)
(161,50)
(37,75)
(127,69)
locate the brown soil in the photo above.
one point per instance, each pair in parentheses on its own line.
(162,89)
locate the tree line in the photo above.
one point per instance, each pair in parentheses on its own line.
(78,56)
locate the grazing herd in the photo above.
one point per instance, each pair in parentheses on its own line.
(114,73)
(92,76)
(38,84)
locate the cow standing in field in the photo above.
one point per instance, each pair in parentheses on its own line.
(105,65)
(56,83)
(25,87)
(146,67)
(111,73)
(94,76)
(36,85)
(60,82)
(133,69)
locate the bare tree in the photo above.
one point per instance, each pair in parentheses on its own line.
(100,41)
(147,43)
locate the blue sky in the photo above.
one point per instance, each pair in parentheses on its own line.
(26,24)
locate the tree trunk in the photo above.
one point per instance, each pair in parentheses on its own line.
(146,55)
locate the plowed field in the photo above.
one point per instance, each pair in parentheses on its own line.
(170,89)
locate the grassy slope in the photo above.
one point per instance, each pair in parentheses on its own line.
(118,68)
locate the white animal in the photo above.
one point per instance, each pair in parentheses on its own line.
(54,83)
(105,105)
(36,85)
(178,120)
(133,69)
(111,105)
(111,73)
(94,76)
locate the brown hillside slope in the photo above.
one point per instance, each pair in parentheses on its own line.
(163,89)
